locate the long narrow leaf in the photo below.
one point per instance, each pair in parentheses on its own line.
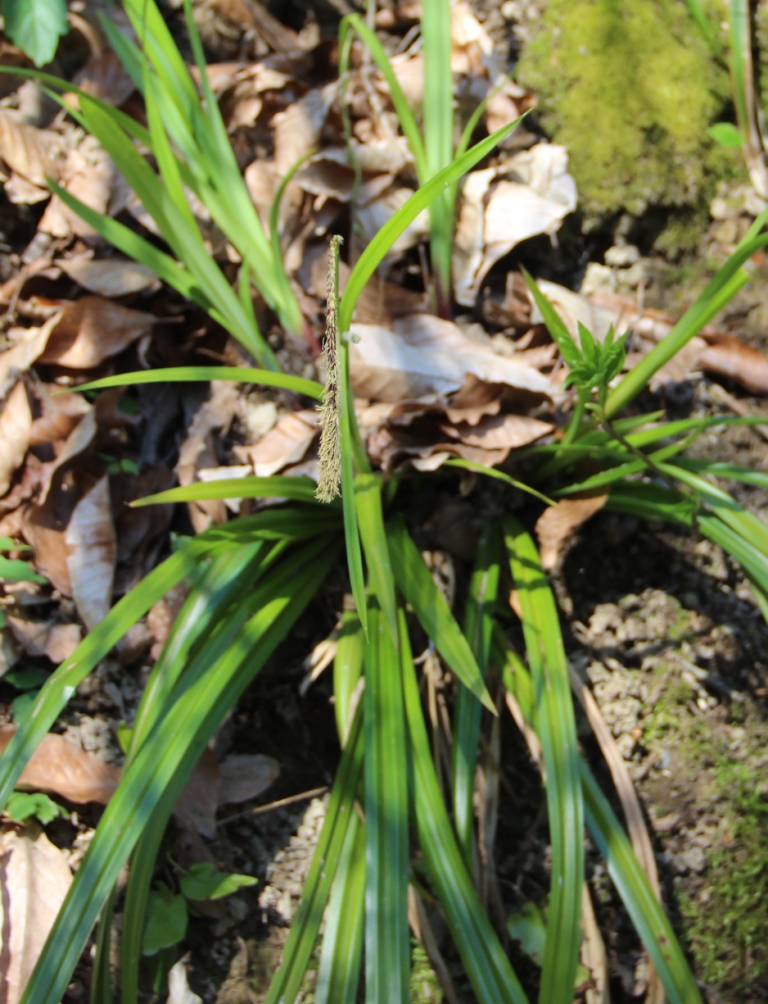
(556,725)
(188,374)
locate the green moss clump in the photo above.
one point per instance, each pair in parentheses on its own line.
(425,986)
(629,87)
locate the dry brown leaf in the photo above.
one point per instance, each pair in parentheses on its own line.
(55,641)
(557,525)
(198,449)
(34,880)
(500,432)
(376,213)
(90,175)
(91,330)
(35,154)
(730,357)
(285,444)
(179,991)
(60,767)
(245,776)
(529,194)
(90,539)
(114,276)
(15,427)
(199,799)
(26,350)
(105,77)
(298,128)
(423,354)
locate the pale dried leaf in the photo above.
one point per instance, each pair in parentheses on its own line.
(496,432)
(423,354)
(557,525)
(90,175)
(178,986)
(90,538)
(15,427)
(574,309)
(108,276)
(297,129)
(729,357)
(33,153)
(105,77)
(25,351)
(55,641)
(285,444)
(34,880)
(372,216)
(60,767)
(535,198)
(91,330)
(199,799)
(245,776)
(19,191)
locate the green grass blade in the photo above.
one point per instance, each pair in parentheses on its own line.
(492,977)
(483,593)
(62,684)
(402,109)
(15,570)
(703,22)
(201,700)
(376,251)
(723,469)
(347,669)
(649,501)
(339,972)
(309,916)
(387,940)
(370,519)
(434,614)
(729,279)
(438,129)
(642,905)
(187,374)
(556,725)
(752,559)
(491,472)
(298,489)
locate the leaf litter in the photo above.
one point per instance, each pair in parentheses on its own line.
(427,389)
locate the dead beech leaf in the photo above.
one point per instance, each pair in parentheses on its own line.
(15,426)
(423,354)
(55,641)
(298,128)
(34,880)
(558,524)
(89,174)
(199,798)
(179,991)
(284,444)
(26,349)
(105,77)
(114,276)
(90,539)
(730,357)
(91,330)
(498,432)
(245,776)
(32,153)
(60,767)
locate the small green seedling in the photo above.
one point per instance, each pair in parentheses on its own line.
(23,805)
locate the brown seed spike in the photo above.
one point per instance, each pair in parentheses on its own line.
(330,410)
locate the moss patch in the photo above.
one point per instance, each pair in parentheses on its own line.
(629,87)
(715,783)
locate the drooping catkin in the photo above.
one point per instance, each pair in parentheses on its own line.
(329,465)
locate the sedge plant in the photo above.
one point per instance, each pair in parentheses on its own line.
(395,825)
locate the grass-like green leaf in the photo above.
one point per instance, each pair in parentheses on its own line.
(492,977)
(434,614)
(14,570)
(347,669)
(330,845)
(483,593)
(370,519)
(387,941)
(377,250)
(201,699)
(298,489)
(556,725)
(189,374)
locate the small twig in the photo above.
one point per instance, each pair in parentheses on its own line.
(270,806)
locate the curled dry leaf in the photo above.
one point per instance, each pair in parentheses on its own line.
(60,767)
(15,427)
(298,128)
(114,276)
(32,153)
(285,444)
(89,174)
(34,880)
(557,525)
(92,329)
(238,778)
(92,547)
(27,347)
(532,194)
(423,354)
(178,986)
(730,357)
(55,641)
